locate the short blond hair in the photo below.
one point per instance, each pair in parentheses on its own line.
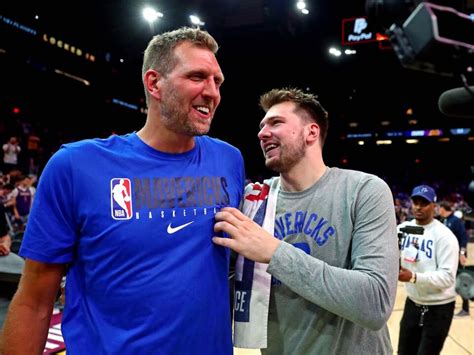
(159,54)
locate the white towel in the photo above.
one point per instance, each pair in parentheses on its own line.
(252,282)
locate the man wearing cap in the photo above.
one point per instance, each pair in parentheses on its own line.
(428,265)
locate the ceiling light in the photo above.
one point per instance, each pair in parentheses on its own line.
(151,15)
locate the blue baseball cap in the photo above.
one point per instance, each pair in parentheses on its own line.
(425,191)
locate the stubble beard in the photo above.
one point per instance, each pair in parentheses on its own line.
(175,117)
(289,156)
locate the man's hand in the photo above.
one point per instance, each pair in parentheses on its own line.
(247,237)
(404,274)
(5,244)
(462,259)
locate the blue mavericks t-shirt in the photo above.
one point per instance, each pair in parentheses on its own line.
(135,225)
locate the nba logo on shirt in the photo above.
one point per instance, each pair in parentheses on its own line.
(121,198)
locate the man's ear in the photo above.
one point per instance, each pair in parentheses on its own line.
(312,132)
(151,80)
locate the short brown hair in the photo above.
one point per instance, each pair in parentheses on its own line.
(446,205)
(305,102)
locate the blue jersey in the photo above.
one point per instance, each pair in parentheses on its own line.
(135,226)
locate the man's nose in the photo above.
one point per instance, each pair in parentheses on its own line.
(264,132)
(211,89)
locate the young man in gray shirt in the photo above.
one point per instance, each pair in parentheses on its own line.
(324,266)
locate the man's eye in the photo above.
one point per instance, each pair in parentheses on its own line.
(196,77)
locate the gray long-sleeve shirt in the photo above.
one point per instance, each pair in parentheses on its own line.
(335,275)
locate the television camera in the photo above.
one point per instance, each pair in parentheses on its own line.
(431,38)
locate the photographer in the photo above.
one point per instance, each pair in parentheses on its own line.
(428,266)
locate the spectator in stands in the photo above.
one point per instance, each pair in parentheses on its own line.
(23,194)
(458,227)
(8,203)
(11,265)
(401,212)
(33,149)
(5,192)
(11,150)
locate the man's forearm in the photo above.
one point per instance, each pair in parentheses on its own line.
(25,329)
